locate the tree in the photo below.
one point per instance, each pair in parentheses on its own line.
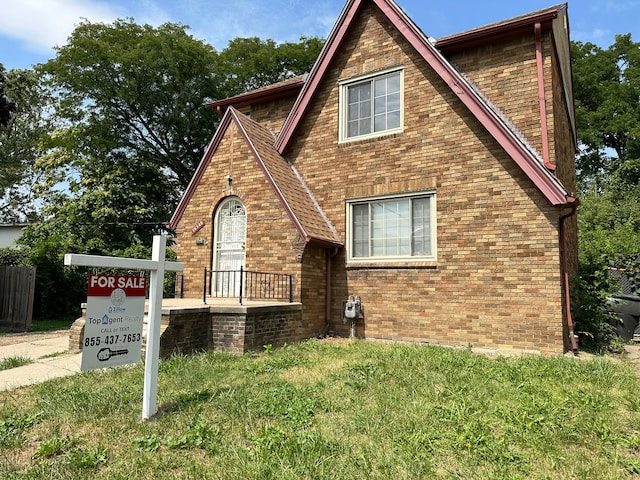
(251,63)
(133,99)
(23,139)
(7,106)
(607,97)
(607,92)
(138,90)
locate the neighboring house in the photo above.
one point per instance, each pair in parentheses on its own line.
(9,233)
(433,179)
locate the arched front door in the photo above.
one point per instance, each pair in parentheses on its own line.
(229,245)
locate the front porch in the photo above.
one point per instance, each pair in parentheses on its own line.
(190,326)
(223,324)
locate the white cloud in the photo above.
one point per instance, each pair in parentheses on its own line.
(43,24)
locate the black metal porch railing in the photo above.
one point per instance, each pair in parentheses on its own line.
(247,285)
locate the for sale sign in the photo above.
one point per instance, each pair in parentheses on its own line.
(113,327)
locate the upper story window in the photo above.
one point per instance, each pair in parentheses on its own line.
(371,106)
(392,228)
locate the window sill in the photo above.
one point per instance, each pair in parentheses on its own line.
(431,265)
(345,142)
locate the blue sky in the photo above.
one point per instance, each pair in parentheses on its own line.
(29,29)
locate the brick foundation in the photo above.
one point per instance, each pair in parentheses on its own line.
(237,329)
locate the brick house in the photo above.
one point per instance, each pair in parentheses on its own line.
(433,179)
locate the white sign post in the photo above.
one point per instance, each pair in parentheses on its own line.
(157,266)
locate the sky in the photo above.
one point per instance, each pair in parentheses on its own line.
(30,29)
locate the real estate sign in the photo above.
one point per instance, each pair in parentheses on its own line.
(113,327)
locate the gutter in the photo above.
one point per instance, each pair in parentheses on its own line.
(573,338)
(541,99)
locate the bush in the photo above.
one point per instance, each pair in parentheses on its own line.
(593,320)
(12,258)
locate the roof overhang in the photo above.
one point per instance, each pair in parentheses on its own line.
(499,31)
(285,89)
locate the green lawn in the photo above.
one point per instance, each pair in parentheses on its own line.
(49,325)
(332,409)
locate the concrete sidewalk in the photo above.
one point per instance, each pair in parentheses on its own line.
(50,360)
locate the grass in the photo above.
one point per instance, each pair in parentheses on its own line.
(13,362)
(331,410)
(47,325)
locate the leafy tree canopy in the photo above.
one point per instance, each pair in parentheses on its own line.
(137,90)
(7,105)
(133,126)
(607,98)
(250,63)
(23,139)
(607,93)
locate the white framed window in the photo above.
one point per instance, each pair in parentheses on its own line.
(398,228)
(371,106)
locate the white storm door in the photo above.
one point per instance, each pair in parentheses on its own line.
(230,247)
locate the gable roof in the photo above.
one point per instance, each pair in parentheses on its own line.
(528,160)
(295,197)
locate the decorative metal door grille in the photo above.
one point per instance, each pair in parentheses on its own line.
(230,244)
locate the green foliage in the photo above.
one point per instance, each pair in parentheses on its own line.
(288,403)
(59,290)
(12,257)
(200,435)
(632,272)
(607,88)
(150,82)
(52,446)
(23,139)
(13,362)
(251,63)
(148,443)
(7,105)
(608,228)
(593,319)
(13,426)
(87,459)
(132,99)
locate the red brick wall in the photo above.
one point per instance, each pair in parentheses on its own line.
(507,74)
(241,329)
(496,282)
(272,114)
(313,291)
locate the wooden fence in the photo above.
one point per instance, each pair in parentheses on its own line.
(17,285)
